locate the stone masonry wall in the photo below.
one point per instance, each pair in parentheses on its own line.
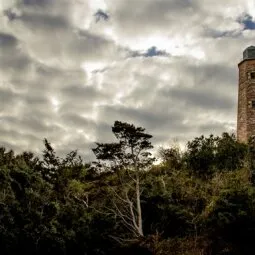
(246,94)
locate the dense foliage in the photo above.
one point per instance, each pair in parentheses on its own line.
(200,201)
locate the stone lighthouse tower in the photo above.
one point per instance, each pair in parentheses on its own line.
(246,96)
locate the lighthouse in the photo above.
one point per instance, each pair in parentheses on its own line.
(246,96)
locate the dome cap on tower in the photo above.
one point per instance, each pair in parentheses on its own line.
(249,53)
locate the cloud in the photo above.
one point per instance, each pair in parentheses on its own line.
(7,40)
(70,68)
(41,3)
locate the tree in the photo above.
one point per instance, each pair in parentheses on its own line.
(230,153)
(200,155)
(171,157)
(51,163)
(129,157)
(206,155)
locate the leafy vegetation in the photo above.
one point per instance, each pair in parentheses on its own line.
(200,201)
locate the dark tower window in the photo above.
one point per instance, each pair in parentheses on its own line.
(251,104)
(251,75)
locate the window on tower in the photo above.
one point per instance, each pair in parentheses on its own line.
(251,104)
(251,76)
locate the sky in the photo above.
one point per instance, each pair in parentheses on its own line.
(70,68)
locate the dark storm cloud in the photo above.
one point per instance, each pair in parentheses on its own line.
(14,63)
(213,80)
(7,40)
(78,97)
(150,13)
(214,128)
(165,124)
(12,57)
(216,74)
(148,118)
(139,19)
(43,21)
(62,76)
(15,135)
(26,122)
(78,121)
(93,46)
(48,6)
(80,92)
(194,97)
(7,97)
(40,3)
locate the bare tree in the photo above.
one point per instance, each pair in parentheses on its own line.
(129,158)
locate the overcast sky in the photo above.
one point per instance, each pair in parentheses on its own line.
(70,68)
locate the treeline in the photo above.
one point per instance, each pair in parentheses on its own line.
(200,201)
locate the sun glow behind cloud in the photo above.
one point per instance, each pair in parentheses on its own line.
(55,103)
